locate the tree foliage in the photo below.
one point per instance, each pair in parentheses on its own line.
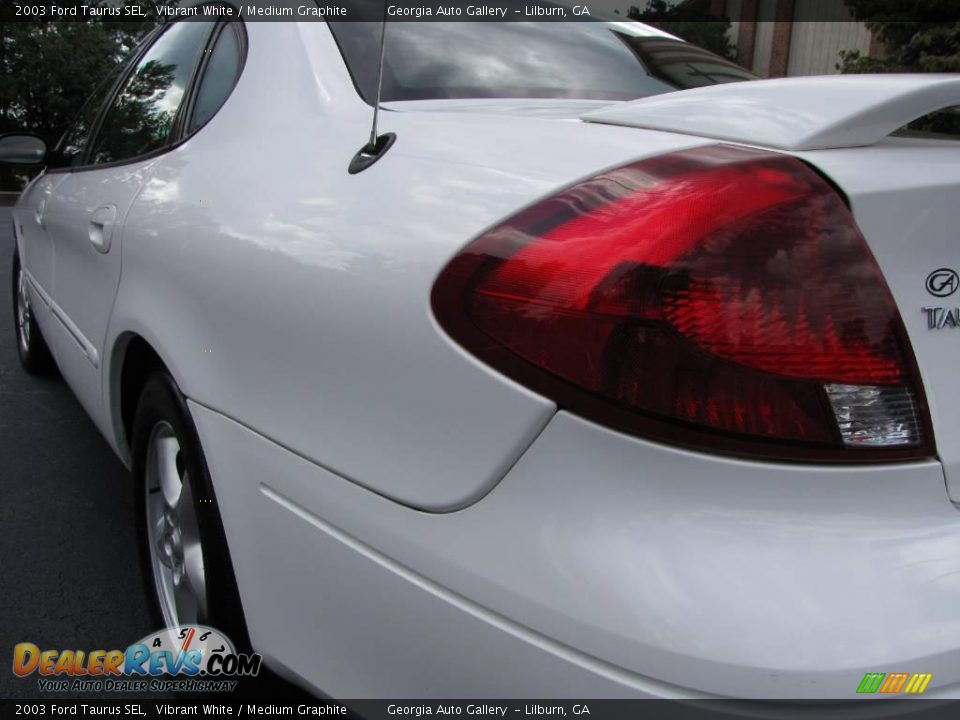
(687,21)
(49,67)
(918,36)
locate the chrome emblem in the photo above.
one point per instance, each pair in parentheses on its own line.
(942,282)
(939,318)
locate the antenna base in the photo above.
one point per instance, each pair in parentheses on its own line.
(370,153)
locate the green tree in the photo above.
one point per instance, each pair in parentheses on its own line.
(918,36)
(49,67)
(688,21)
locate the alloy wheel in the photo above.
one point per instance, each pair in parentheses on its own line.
(176,551)
(23,312)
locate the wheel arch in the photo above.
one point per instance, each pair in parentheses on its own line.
(132,360)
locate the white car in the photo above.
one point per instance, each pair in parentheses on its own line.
(565,386)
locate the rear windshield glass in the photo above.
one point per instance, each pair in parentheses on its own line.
(584,60)
(940,125)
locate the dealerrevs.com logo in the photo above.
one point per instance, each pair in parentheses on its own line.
(191,658)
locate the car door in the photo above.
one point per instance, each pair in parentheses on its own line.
(36,251)
(85,211)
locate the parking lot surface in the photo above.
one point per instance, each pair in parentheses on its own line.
(69,566)
(68,558)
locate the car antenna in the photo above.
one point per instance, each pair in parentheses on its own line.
(377,145)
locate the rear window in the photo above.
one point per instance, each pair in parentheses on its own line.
(583,60)
(940,125)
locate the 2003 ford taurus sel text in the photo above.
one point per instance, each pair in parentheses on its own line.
(565,384)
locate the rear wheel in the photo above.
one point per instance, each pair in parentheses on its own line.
(186,562)
(32,349)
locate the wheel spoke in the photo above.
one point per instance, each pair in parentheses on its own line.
(175,543)
(23,311)
(186,513)
(160,536)
(167,449)
(194,576)
(184,599)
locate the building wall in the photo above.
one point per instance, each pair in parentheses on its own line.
(815,45)
(732,10)
(763,41)
(807,40)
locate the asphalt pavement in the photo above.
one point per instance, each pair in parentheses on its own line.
(69,567)
(68,559)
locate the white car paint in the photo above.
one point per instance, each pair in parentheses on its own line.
(407,413)
(37,250)
(405,521)
(904,192)
(85,214)
(725,578)
(799,113)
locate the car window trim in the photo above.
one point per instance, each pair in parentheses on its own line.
(185,115)
(131,64)
(175,140)
(166,145)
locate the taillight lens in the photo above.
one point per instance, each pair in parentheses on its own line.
(719,297)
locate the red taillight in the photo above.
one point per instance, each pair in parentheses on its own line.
(719,296)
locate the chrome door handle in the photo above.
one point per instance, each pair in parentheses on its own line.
(100,231)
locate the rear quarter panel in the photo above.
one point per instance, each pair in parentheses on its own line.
(904,195)
(293,297)
(286,294)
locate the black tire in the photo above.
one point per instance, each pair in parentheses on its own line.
(32,349)
(161,405)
